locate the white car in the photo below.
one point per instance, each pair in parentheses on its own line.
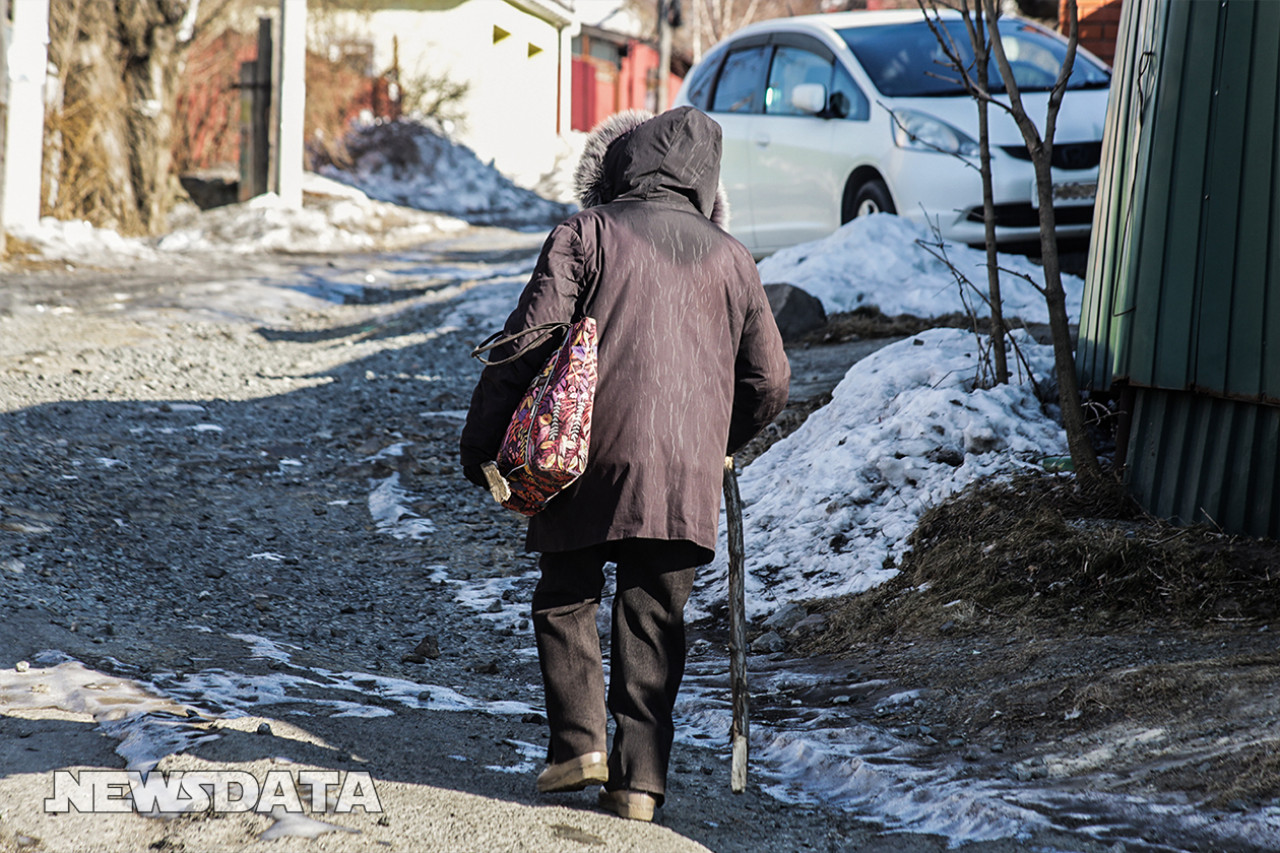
(828,117)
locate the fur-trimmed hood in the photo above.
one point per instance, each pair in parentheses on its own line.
(636,154)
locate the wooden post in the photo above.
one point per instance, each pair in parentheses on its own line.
(25,67)
(738,732)
(262,106)
(255,117)
(291,101)
(249,186)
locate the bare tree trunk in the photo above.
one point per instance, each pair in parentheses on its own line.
(1083,457)
(153,65)
(982,62)
(976,83)
(155,57)
(119,66)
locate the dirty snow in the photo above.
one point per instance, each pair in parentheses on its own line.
(334,218)
(830,506)
(418,166)
(896,265)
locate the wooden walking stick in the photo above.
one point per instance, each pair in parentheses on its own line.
(737,628)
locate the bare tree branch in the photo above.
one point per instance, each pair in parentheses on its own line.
(975,88)
(1025,277)
(1064,73)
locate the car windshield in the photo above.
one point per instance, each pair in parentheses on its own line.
(905,60)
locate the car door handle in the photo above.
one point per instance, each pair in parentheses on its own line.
(761,140)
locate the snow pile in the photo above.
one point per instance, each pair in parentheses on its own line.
(78,242)
(416,166)
(829,507)
(878,260)
(334,218)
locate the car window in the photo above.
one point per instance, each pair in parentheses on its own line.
(855,99)
(741,85)
(702,79)
(791,67)
(905,60)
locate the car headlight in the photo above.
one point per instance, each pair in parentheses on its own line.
(926,133)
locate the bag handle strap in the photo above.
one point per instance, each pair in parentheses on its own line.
(544,331)
(497,339)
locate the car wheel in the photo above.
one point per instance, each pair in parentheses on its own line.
(870,197)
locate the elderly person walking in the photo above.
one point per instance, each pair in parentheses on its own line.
(691,367)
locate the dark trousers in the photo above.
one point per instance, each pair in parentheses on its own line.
(647,653)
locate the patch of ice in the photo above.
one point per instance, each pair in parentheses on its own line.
(897,700)
(531,756)
(261,647)
(393,451)
(390,515)
(294,824)
(71,686)
(488,599)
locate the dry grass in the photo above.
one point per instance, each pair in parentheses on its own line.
(15,248)
(869,322)
(1039,550)
(1253,774)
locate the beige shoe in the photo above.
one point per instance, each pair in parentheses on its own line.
(575,774)
(633,805)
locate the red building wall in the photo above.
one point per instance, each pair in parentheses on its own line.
(208,122)
(601,88)
(1099,25)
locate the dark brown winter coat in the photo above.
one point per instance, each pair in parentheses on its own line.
(691,364)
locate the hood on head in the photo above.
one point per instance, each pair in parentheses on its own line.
(640,155)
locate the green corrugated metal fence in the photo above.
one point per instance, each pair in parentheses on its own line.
(1195,458)
(1183,287)
(1107,311)
(1184,273)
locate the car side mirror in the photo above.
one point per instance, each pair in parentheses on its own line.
(838,106)
(809,97)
